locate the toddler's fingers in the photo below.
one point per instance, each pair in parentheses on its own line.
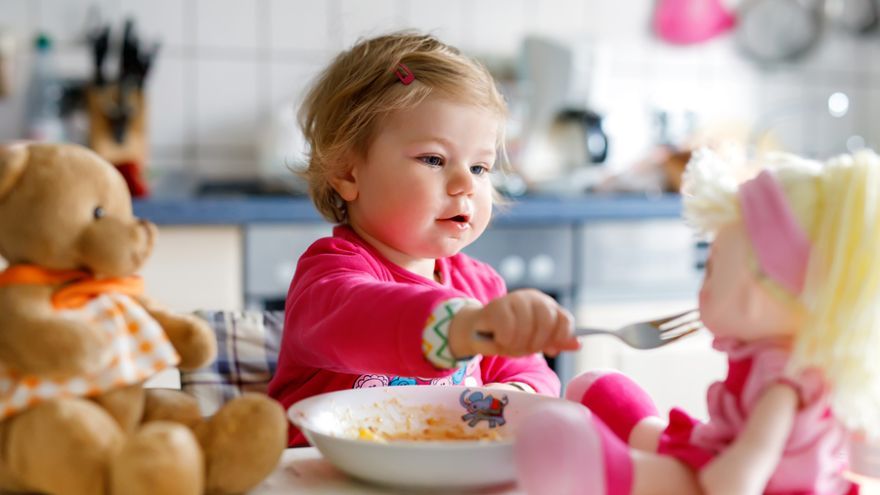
(543,326)
(485,346)
(571,344)
(563,335)
(499,320)
(519,333)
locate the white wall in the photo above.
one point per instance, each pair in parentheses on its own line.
(226,63)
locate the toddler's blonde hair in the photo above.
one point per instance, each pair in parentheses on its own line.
(343,107)
(838,206)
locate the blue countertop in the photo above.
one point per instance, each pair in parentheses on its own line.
(526,210)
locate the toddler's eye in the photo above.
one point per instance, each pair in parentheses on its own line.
(432,160)
(479,169)
(98,213)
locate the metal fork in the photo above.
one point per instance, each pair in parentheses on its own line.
(654,333)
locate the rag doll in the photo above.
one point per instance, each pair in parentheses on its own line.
(791,294)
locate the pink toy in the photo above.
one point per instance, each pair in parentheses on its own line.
(612,396)
(790,294)
(691,21)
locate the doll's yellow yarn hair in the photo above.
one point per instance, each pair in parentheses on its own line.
(838,206)
(842,291)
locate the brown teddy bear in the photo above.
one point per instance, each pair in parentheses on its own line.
(78,339)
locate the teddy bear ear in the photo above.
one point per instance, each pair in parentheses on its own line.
(13,159)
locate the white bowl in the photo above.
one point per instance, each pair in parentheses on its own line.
(333,422)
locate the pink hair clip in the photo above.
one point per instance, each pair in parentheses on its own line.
(404,74)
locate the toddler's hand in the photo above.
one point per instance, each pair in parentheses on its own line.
(520,323)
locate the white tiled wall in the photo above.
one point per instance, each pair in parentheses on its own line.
(226,65)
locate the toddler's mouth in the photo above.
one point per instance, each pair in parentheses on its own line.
(458,223)
(458,219)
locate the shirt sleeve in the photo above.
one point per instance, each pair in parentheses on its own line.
(435,336)
(344,316)
(531,370)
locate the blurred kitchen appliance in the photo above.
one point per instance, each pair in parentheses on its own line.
(779,30)
(581,136)
(282,151)
(562,135)
(854,16)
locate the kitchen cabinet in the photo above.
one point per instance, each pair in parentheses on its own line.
(271,254)
(196,267)
(540,257)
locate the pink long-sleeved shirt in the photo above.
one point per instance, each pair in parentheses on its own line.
(354,319)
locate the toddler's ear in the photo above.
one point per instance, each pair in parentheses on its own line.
(345,182)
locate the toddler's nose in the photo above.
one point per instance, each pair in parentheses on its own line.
(461,181)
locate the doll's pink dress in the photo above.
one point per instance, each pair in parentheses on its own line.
(815,454)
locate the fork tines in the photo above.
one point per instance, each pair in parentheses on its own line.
(679,325)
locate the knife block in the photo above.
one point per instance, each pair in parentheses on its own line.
(117,131)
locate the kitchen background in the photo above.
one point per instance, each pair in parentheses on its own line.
(226,68)
(604,96)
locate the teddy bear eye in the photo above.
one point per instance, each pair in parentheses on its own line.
(98,213)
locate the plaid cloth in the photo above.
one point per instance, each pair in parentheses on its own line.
(248,343)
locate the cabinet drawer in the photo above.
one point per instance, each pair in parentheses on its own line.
(540,257)
(271,253)
(638,259)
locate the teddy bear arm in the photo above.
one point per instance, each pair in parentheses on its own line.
(34,340)
(191,337)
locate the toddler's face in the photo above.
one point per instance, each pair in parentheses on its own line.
(423,189)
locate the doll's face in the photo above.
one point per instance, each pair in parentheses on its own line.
(733,300)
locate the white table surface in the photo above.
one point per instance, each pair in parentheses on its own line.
(302,471)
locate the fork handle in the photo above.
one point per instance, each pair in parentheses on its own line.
(578,332)
(582,332)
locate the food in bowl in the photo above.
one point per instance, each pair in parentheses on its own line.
(418,436)
(425,423)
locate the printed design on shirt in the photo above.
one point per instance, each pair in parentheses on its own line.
(457,378)
(402,380)
(370,381)
(483,408)
(453,379)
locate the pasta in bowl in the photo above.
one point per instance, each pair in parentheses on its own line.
(418,436)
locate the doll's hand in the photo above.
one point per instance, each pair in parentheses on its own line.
(747,464)
(519,323)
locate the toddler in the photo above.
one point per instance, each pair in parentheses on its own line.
(404,132)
